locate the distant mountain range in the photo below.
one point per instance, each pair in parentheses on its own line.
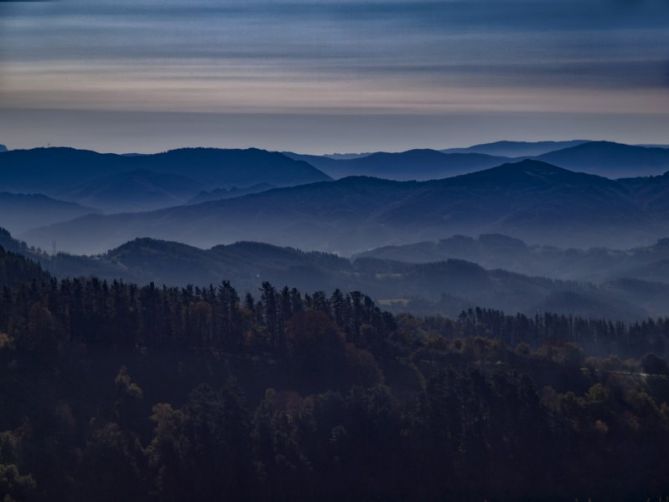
(3,148)
(122,182)
(529,199)
(138,190)
(604,158)
(219,204)
(538,204)
(518,148)
(20,212)
(494,251)
(410,165)
(444,287)
(229,193)
(614,160)
(345,156)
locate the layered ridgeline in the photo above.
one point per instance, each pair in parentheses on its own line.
(614,160)
(604,158)
(135,190)
(130,182)
(531,200)
(443,286)
(518,148)
(20,212)
(495,251)
(115,392)
(410,165)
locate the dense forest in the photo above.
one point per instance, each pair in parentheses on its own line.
(111,391)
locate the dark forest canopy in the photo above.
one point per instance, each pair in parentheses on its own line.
(111,391)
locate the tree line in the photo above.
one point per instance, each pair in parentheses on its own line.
(110,391)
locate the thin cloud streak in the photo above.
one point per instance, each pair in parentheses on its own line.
(337,57)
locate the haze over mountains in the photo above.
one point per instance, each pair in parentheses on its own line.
(122,182)
(409,165)
(229,193)
(611,159)
(445,286)
(604,158)
(532,200)
(517,148)
(493,251)
(135,190)
(21,212)
(351,215)
(204,215)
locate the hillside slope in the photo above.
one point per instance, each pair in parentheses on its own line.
(20,212)
(442,287)
(614,160)
(418,165)
(530,199)
(64,171)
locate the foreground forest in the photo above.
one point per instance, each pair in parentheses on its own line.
(113,392)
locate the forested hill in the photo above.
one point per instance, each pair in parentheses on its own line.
(15,270)
(493,251)
(445,286)
(117,392)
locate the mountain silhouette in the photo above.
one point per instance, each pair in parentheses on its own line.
(137,190)
(229,193)
(517,148)
(614,160)
(597,264)
(57,171)
(529,199)
(20,212)
(410,165)
(444,287)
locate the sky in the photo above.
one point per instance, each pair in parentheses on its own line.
(323,76)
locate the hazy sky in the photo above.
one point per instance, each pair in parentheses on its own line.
(325,75)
